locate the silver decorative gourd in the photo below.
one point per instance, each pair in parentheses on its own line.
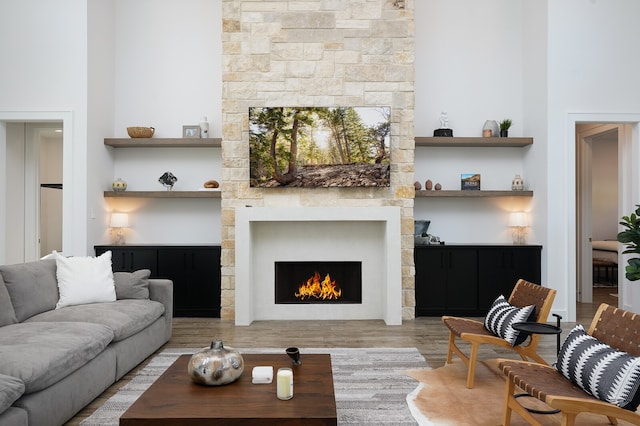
(215,365)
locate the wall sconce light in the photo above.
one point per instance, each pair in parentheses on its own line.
(518,221)
(119,221)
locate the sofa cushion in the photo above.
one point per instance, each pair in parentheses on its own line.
(132,285)
(124,317)
(10,390)
(7,314)
(502,315)
(600,370)
(32,286)
(84,279)
(41,353)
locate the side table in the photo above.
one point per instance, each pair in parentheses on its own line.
(540,328)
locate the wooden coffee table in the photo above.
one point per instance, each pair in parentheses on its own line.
(175,400)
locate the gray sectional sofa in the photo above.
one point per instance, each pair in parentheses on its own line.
(53,362)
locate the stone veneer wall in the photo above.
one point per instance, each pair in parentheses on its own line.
(316,53)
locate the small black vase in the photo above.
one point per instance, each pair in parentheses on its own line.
(504,133)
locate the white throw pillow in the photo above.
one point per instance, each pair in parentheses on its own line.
(84,280)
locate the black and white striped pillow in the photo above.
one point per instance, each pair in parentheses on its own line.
(500,317)
(600,370)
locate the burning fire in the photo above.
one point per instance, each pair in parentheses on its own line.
(325,290)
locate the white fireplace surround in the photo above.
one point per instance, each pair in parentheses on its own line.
(265,235)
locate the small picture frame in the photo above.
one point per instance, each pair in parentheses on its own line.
(470,181)
(191,132)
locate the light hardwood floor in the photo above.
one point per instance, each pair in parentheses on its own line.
(427,334)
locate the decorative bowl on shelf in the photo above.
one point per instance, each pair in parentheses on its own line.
(140,132)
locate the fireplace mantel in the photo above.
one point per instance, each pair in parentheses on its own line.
(265,234)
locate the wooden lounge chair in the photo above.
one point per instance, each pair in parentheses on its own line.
(524,294)
(615,327)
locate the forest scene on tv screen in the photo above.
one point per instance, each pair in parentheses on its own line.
(319,146)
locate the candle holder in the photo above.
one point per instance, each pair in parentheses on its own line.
(294,354)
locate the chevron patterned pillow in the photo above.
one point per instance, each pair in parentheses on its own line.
(600,370)
(500,317)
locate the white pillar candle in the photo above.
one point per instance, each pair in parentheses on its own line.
(284,381)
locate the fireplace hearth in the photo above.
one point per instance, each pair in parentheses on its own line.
(304,282)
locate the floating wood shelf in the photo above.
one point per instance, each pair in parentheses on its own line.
(163,142)
(471,142)
(473,194)
(162,194)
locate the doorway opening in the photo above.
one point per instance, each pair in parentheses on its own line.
(33,191)
(579,250)
(597,207)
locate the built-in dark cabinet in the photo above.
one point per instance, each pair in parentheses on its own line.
(466,279)
(500,268)
(442,277)
(194,270)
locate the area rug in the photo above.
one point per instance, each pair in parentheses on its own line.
(370,384)
(443,399)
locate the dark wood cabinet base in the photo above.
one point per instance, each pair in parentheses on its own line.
(466,279)
(194,270)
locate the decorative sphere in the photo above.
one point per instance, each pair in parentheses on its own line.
(428,185)
(119,185)
(215,365)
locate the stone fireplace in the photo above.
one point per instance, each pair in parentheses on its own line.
(317,53)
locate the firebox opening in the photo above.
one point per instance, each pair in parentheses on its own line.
(318,282)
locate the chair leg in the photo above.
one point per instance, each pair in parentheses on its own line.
(506,413)
(471,373)
(511,404)
(612,420)
(452,340)
(568,419)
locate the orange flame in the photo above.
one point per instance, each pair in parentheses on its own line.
(315,288)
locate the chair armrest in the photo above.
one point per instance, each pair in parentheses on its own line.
(161,290)
(579,405)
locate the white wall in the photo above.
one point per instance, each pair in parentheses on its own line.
(13,227)
(100,115)
(470,63)
(167,65)
(43,74)
(593,67)
(167,73)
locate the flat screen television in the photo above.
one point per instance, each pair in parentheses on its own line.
(319,146)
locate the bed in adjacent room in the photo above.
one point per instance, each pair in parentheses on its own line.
(605,262)
(605,250)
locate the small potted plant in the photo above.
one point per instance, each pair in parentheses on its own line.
(630,237)
(504,127)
